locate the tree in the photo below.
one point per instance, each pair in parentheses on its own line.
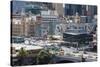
(21,56)
(22,52)
(44,57)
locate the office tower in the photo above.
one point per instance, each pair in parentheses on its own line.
(72,9)
(59,8)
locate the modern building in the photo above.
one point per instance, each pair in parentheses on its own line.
(71,9)
(79,33)
(91,10)
(49,22)
(59,8)
(83,10)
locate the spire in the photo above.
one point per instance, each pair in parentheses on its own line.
(23,12)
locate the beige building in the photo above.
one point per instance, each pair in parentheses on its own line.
(22,26)
(17,26)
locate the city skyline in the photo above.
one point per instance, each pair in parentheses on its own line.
(52,33)
(19,5)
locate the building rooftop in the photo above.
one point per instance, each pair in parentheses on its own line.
(26,47)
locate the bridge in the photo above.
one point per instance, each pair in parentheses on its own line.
(67,59)
(71,59)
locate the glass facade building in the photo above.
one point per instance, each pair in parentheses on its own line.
(71,9)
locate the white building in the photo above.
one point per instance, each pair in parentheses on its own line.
(49,21)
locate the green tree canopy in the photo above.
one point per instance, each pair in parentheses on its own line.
(22,53)
(44,57)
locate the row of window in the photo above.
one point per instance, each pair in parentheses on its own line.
(77,31)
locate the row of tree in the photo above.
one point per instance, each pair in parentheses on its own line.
(43,57)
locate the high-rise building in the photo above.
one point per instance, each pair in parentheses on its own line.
(71,9)
(49,22)
(59,8)
(17,25)
(84,10)
(91,10)
(22,25)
